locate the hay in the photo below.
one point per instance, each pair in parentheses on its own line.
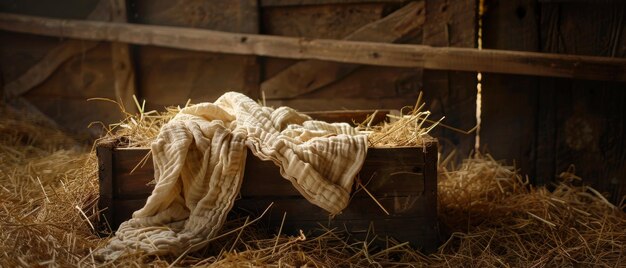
(48,192)
(140,129)
(48,188)
(405,130)
(498,219)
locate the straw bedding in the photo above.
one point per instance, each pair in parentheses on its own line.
(48,189)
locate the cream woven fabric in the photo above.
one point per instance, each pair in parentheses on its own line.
(199,159)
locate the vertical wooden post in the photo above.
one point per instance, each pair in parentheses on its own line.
(509,130)
(104,152)
(123,68)
(249,22)
(451,93)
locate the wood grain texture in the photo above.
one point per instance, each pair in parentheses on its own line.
(55,57)
(367,86)
(441,58)
(583,122)
(71,72)
(309,75)
(317,21)
(451,94)
(104,153)
(172,76)
(47,66)
(510,102)
(123,67)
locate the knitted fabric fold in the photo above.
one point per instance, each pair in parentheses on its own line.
(199,159)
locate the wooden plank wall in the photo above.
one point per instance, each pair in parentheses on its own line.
(548,124)
(509,103)
(545,124)
(368,87)
(451,93)
(589,116)
(171,77)
(82,76)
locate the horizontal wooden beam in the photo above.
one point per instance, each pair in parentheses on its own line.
(398,55)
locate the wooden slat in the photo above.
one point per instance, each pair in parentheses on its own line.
(421,232)
(172,76)
(419,228)
(451,94)
(123,68)
(44,68)
(583,123)
(307,76)
(132,176)
(386,172)
(105,175)
(461,59)
(504,131)
(363,207)
(39,72)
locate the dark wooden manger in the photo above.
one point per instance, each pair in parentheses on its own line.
(403,180)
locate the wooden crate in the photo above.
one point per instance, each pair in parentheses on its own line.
(403,180)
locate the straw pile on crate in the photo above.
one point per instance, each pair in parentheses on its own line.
(48,187)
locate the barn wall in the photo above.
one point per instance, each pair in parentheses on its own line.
(548,124)
(170,76)
(589,116)
(85,73)
(545,124)
(366,87)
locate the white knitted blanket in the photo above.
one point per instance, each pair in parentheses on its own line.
(199,159)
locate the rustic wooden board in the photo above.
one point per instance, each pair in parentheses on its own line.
(56,9)
(105,182)
(75,114)
(58,74)
(325,21)
(366,87)
(307,76)
(67,90)
(460,59)
(510,109)
(387,172)
(449,93)
(403,180)
(173,76)
(19,52)
(65,50)
(583,122)
(123,65)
